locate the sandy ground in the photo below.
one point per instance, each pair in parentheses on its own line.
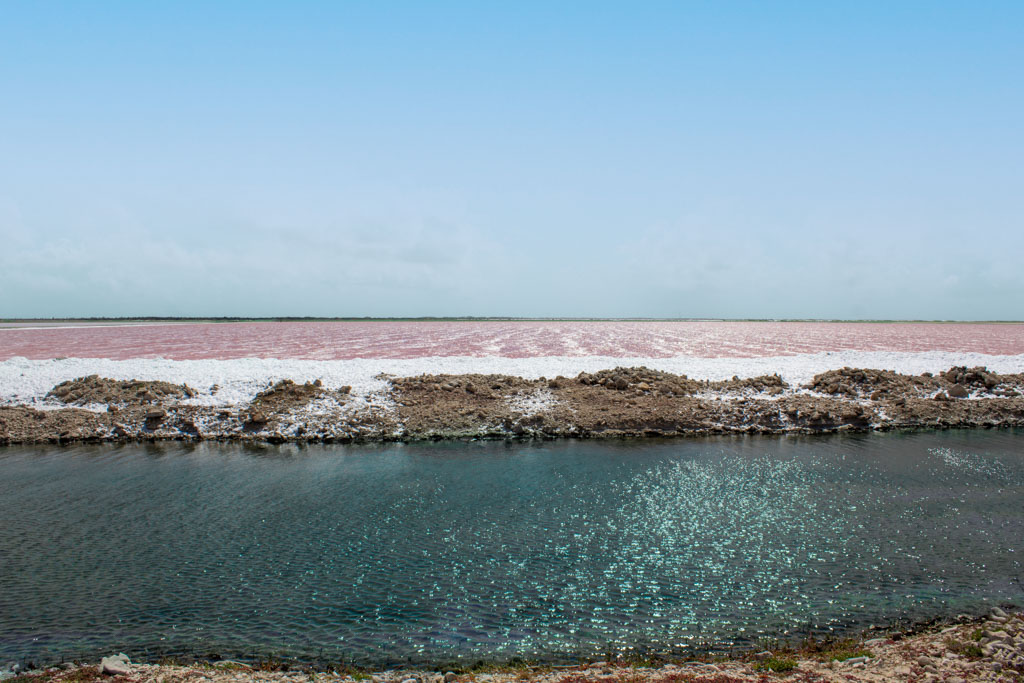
(615,403)
(987,650)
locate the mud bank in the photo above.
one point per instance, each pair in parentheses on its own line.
(990,649)
(615,403)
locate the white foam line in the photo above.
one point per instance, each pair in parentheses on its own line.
(25,381)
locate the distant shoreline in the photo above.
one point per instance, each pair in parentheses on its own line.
(16,323)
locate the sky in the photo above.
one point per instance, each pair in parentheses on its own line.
(722,159)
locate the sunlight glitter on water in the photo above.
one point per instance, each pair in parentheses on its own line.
(465,551)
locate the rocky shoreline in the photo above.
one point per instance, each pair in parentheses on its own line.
(987,649)
(614,403)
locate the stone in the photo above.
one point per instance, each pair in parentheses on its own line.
(858,660)
(450,676)
(874,642)
(958,391)
(941,396)
(114,666)
(765,654)
(998,612)
(156,414)
(257,417)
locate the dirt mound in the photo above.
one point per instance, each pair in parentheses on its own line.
(979,379)
(286,396)
(771,384)
(478,385)
(957,382)
(641,379)
(622,402)
(21,424)
(874,384)
(645,380)
(617,401)
(96,389)
(435,404)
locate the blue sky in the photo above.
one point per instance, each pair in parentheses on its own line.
(696,159)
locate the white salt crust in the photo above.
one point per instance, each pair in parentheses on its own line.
(24,381)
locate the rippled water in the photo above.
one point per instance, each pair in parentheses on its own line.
(490,550)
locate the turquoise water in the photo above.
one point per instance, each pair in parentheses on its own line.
(461,551)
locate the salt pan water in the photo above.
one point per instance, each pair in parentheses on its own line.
(465,551)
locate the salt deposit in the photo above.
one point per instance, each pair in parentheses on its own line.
(24,381)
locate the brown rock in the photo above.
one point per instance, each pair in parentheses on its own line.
(958,391)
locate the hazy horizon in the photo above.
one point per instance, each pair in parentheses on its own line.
(483,318)
(698,160)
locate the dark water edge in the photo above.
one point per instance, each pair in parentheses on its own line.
(456,552)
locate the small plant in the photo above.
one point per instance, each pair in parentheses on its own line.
(842,654)
(776,665)
(171,661)
(978,634)
(271,664)
(970,650)
(228,665)
(83,674)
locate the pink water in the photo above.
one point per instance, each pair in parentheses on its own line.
(347,340)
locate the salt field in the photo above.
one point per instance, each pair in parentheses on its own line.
(506,339)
